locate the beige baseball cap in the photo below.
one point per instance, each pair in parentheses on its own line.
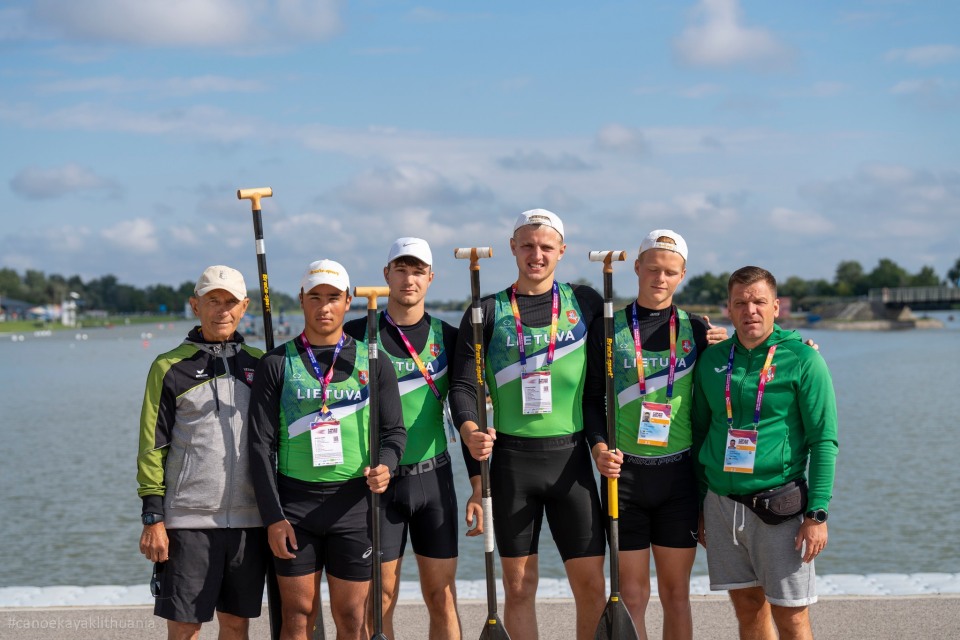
(652,241)
(325,272)
(221,277)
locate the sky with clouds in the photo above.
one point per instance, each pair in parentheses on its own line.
(791,134)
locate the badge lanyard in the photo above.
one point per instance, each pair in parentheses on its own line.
(416,358)
(328,376)
(641,379)
(760,387)
(554,316)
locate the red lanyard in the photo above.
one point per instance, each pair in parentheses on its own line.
(416,357)
(760,387)
(328,376)
(554,317)
(641,379)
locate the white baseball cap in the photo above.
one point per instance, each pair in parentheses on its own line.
(539,216)
(413,247)
(325,272)
(652,241)
(221,277)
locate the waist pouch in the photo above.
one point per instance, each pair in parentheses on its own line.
(775,506)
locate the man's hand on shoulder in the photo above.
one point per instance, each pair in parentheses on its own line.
(714,334)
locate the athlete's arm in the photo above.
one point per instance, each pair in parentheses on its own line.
(264,423)
(595,387)
(157,417)
(475,508)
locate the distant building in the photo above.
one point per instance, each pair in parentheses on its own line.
(11,309)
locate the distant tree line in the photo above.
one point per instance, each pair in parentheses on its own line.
(850,280)
(106,293)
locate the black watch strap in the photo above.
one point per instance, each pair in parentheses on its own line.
(819,515)
(151,518)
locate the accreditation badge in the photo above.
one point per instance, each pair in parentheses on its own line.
(536,392)
(741,451)
(654,424)
(325,441)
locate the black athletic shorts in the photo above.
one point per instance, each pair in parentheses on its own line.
(421,500)
(658,501)
(212,570)
(531,475)
(332,523)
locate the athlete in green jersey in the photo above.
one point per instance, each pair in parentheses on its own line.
(534,335)
(659,504)
(309,415)
(421,500)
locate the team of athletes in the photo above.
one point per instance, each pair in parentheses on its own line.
(309,462)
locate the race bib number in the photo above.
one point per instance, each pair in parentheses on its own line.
(536,393)
(325,441)
(741,451)
(654,424)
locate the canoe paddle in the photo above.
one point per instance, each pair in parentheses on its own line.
(615,623)
(254,195)
(493,628)
(376,591)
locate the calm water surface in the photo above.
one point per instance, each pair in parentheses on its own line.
(69,512)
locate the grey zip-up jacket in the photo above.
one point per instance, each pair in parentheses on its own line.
(193,466)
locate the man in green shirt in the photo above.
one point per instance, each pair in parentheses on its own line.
(764,518)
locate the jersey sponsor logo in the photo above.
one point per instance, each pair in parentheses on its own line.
(409,366)
(248,375)
(362,376)
(333,395)
(722,369)
(297,375)
(541,339)
(368,552)
(202,373)
(572,316)
(686,346)
(434,349)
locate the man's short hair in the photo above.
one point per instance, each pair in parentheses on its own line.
(747,276)
(409,261)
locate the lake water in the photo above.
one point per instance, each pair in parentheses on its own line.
(69,512)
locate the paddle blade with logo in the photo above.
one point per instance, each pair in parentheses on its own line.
(616,623)
(493,630)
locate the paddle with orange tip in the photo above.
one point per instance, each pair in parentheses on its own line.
(615,623)
(376,591)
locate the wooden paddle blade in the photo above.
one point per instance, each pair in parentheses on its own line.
(616,623)
(494,630)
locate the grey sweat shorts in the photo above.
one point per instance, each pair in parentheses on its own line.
(743,551)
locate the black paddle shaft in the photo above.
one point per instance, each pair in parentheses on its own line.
(264,280)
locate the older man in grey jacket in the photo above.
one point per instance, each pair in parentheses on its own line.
(201,525)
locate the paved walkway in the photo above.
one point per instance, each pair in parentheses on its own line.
(834,618)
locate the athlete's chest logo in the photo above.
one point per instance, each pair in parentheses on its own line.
(572,316)
(434,349)
(686,346)
(771,372)
(362,376)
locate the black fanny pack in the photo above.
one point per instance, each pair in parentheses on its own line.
(775,506)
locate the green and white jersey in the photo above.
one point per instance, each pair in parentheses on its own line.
(300,403)
(422,410)
(566,373)
(656,367)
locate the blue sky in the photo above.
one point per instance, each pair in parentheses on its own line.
(790,134)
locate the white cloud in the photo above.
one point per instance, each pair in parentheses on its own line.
(621,139)
(405,185)
(540,161)
(798,222)
(134,236)
(166,87)
(925,56)
(197,23)
(35,183)
(717,37)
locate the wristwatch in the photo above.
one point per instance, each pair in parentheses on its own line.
(151,518)
(819,515)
